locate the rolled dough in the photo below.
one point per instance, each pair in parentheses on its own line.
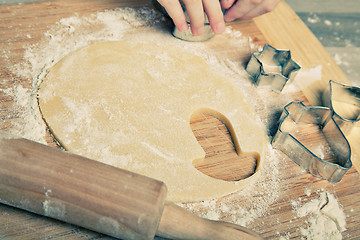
(128,104)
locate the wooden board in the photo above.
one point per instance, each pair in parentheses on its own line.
(281,28)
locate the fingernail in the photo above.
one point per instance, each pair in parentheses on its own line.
(201,30)
(219,27)
(184,27)
(198,31)
(228,19)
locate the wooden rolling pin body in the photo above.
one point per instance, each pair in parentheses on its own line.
(93,195)
(70,188)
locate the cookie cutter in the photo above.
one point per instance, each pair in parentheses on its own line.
(296,115)
(187,35)
(272,68)
(344,100)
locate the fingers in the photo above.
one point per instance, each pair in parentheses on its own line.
(236,9)
(246,9)
(212,8)
(215,15)
(264,7)
(195,10)
(241,8)
(225,4)
(175,11)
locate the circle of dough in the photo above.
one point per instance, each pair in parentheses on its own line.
(128,104)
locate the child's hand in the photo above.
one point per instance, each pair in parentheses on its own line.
(236,9)
(195,10)
(247,9)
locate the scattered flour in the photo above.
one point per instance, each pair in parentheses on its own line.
(246,205)
(313,19)
(328,22)
(325,217)
(70,34)
(339,60)
(29,124)
(307,77)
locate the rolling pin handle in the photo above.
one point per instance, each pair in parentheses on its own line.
(177,223)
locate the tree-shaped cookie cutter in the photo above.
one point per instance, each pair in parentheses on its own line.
(272,68)
(344,100)
(298,119)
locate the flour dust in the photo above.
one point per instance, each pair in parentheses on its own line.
(145,24)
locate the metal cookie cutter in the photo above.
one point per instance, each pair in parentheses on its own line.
(272,68)
(344,100)
(312,139)
(188,36)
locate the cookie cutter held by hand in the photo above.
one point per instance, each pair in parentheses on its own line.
(344,100)
(272,68)
(187,35)
(300,124)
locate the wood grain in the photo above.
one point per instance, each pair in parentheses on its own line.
(305,48)
(216,140)
(281,28)
(73,189)
(176,222)
(110,200)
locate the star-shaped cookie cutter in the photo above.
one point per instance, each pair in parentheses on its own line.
(312,139)
(272,68)
(344,100)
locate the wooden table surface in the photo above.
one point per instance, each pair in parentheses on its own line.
(282,29)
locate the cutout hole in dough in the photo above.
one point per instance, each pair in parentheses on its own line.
(128,104)
(223,160)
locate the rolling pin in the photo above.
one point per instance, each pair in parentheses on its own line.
(57,184)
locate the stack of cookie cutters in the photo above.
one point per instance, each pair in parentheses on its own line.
(272,68)
(313,163)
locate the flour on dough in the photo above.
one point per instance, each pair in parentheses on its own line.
(128,104)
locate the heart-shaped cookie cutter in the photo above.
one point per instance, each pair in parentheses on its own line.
(298,118)
(344,100)
(272,68)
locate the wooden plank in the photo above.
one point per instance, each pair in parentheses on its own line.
(282,29)
(304,46)
(215,139)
